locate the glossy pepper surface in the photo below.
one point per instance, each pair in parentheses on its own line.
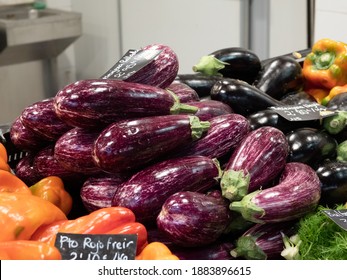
(11,183)
(334,92)
(110,220)
(156,251)
(28,250)
(51,188)
(22,214)
(326,65)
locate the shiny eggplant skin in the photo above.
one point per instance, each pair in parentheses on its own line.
(239,63)
(96,103)
(297,98)
(333,178)
(25,171)
(73,150)
(161,71)
(269,117)
(242,97)
(208,109)
(310,145)
(184,92)
(97,191)
(223,136)
(258,159)
(297,193)
(338,102)
(263,241)
(201,83)
(41,118)
(146,191)
(131,144)
(279,77)
(192,219)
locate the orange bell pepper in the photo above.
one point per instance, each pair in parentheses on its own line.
(28,250)
(22,214)
(333,92)
(318,93)
(102,221)
(3,152)
(326,65)
(11,183)
(156,251)
(52,189)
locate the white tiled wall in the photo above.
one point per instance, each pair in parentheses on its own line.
(331,20)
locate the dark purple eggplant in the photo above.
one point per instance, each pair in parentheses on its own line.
(24,138)
(280,76)
(208,109)
(338,102)
(128,145)
(184,92)
(298,98)
(269,117)
(299,56)
(255,163)
(146,191)
(333,178)
(336,124)
(193,219)
(96,103)
(296,194)
(201,83)
(41,118)
(310,146)
(223,136)
(97,191)
(25,170)
(46,165)
(161,71)
(242,97)
(74,151)
(234,62)
(263,241)
(218,250)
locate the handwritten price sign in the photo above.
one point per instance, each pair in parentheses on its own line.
(338,216)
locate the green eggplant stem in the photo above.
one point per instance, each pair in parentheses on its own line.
(198,127)
(209,65)
(234,184)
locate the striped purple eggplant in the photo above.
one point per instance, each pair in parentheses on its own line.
(263,241)
(146,191)
(41,118)
(161,71)
(73,150)
(208,109)
(25,170)
(97,191)
(193,219)
(96,103)
(257,161)
(129,145)
(184,92)
(24,138)
(297,194)
(224,135)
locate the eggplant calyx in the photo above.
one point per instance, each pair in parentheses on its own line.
(198,127)
(209,65)
(247,247)
(234,184)
(180,108)
(291,247)
(247,208)
(341,151)
(336,123)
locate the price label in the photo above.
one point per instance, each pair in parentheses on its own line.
(305,112)
(130,63)
(338,216)
(96,246)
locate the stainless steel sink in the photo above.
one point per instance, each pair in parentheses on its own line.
(24,38)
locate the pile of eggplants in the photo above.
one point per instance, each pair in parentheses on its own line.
(194,156)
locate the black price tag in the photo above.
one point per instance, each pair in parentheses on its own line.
(96,246)
(305,112)
(338,216)
(130,63)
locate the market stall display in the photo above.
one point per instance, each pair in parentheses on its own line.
(200,166)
